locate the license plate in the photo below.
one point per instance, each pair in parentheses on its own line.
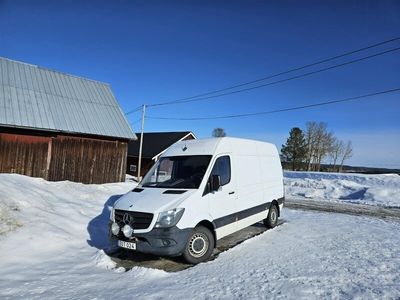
(127,245)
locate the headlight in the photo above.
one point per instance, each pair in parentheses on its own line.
(115,228)
(127,230)
(112,214)
(169,218)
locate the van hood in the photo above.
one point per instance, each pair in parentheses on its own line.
(152,200)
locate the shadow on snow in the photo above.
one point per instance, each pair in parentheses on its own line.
(357,195)
(98,226)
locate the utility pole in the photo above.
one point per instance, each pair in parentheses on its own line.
(141,142)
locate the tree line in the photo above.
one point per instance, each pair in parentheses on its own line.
(309,149)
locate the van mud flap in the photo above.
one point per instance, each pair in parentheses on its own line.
(130,259)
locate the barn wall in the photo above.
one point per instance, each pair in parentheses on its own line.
(87,160)
(24,154)
(58,157)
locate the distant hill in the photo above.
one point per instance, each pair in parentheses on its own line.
(352,169)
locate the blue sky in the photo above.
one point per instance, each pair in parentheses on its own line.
(154,51)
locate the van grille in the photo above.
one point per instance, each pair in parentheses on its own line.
(140,220)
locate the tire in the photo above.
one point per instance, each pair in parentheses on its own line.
(199,246)
(272,219)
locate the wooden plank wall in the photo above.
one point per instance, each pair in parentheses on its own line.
(24,154)
(87,160)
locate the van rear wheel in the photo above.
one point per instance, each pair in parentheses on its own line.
(199,246)
(272,219)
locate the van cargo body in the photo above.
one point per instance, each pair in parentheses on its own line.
(198,192)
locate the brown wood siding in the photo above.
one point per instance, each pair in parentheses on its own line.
(87,160)
(24,154)
(58,157)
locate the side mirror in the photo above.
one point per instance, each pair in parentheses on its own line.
(215,182)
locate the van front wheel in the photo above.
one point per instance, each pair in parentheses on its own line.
(199,246)
(272,219)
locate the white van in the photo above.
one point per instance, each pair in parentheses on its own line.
(198,192)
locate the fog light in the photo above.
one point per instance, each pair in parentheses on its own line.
(127,230)
(114,228)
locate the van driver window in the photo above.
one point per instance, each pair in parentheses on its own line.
(222,167)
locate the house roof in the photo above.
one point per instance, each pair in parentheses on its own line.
(155,142)
(41,99)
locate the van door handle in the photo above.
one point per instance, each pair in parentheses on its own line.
(231,193)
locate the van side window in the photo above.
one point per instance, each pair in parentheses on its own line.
(222,167)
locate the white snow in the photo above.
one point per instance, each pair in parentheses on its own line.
(130,178)
(381,190)
(57,252)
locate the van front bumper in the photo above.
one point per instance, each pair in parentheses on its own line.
(160,241)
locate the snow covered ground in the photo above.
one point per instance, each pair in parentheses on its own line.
(55,252)
(381,190)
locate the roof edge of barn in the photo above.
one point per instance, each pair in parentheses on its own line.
(55,71)
(43,131)
(110,122)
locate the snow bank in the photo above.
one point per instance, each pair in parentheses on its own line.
(102,260)
(57,211)
(58,253)
(130,178)
(382,190)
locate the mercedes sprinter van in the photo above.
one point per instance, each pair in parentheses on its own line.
(198,192)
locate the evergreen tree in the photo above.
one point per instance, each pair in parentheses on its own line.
(295,149)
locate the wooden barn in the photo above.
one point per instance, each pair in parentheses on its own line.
(59,126)
(154,144)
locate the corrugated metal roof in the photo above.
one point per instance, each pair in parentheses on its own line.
(38,98)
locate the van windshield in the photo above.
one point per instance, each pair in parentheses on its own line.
(184,172)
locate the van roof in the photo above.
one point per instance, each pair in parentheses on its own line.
(211,146)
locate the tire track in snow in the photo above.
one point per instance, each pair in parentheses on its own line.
(344,208)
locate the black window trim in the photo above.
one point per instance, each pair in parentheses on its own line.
(206,188)
(230,167)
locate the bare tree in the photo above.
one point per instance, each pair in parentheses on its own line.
(336,152)
(310,142)
(218,132)
(347,153)
(324,146)
(319,143)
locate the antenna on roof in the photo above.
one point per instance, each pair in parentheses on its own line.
(184,147)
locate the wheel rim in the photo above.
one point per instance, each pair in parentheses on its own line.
(198,245)
(273,216)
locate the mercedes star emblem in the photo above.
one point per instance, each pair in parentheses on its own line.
(127,219)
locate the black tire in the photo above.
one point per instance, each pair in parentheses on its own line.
(272,219)
(199,246)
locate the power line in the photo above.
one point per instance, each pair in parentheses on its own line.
(134,110)
(280,81)
(279,74)
(134,122)
(281,110)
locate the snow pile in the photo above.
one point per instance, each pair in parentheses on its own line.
(58,253)
(382,190)
(130,178)
(102,260)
